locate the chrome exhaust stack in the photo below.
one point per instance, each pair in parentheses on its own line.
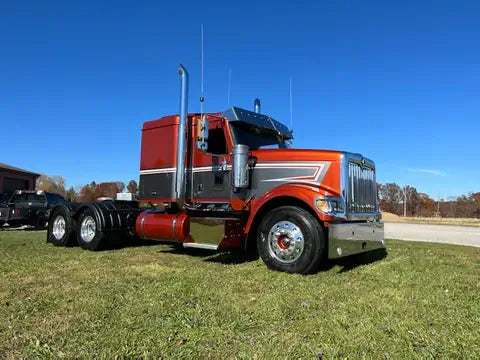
(182,138)
(256,106)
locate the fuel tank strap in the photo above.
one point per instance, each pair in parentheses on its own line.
(144,215)
(174,223)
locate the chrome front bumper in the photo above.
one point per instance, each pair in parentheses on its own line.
(352,238)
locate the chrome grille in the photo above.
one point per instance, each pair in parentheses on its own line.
(362,188)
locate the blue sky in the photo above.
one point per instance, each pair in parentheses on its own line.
(398,81)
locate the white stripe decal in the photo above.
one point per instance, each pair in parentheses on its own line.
(289,164)
(309,179)
(157,171)
(172,170)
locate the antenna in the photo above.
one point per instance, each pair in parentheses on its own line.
(291,106)
(201,81)
(229,85)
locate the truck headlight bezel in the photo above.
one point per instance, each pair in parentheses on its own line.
(330,205)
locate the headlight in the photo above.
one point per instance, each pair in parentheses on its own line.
(324,205)
(330,206)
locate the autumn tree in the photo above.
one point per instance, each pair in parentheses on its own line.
(465,206)
(132,187)
(391,198)
(87,192)
(476,200)
(54,184)
(71,194)
(410,194)
(109,189)
(426,205)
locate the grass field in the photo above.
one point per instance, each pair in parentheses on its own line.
(389,217)
(421,301)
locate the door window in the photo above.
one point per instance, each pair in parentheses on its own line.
(217,142)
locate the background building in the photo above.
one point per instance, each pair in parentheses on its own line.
(12,178)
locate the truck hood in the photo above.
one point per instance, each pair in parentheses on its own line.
(320,169)
(294,155)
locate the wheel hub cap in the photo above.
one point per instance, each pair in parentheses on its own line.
(285,241)
(88,229)
(58,228)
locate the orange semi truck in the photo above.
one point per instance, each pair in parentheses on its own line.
(231,180)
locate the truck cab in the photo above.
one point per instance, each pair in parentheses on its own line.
(232,180)
(241,165)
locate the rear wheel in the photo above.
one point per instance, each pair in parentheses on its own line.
(41,222)
(61,228)
(291,239)
(89,235)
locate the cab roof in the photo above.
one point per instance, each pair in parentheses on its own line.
(232,114)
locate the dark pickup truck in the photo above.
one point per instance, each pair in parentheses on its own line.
(29,208)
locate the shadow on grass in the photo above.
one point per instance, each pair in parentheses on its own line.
(351,262)
(226,257)
(237,257)
(117,243)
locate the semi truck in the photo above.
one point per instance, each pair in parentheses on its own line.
(231,180)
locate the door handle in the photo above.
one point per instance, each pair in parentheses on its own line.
(224,165)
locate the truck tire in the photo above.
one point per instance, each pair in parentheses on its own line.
(61,228)
(291,239)
(89,235)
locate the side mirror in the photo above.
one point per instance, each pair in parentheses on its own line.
(240,167)
(202,134)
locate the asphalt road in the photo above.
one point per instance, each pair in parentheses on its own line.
(447,234)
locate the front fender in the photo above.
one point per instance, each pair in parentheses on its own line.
(300,192)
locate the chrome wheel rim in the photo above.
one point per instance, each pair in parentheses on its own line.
(285,242)
(58,228)
(88,229)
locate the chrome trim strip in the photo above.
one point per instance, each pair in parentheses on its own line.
(200,246)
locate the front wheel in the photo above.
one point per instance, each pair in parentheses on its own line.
(291,239)
(89,235)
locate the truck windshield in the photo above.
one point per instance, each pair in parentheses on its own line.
(257,137)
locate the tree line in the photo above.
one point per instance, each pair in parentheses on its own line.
(396,200)
(84,193)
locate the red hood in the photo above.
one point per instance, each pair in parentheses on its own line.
(296,155)
(330,183)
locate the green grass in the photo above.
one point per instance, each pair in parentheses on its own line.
(421,301)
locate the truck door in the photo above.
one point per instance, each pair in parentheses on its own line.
(211,170)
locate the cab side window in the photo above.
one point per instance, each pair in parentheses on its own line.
(217,143)
(18,198)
